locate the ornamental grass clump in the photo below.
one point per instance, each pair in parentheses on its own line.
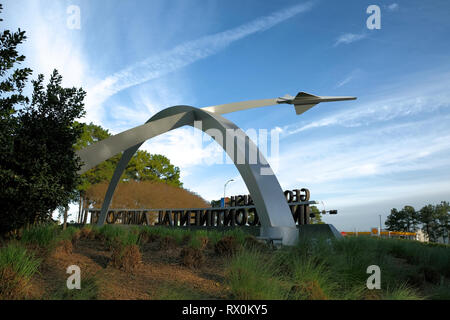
(17,266)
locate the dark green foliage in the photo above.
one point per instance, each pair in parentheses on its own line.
(39,173)
(433,219)
(37,161)
(143,166)
(317,219)
(13,79)
(405,220)
(91,134)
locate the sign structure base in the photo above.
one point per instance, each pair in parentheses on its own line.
(318,231)
(284,235)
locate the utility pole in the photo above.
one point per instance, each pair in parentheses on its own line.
(379,231)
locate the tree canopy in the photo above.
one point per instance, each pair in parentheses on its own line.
(433,220)
(317,219)
(143,166)
(38,164)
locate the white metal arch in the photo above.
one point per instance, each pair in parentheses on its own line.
(273,211)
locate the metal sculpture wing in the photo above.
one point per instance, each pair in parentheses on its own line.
(302,102)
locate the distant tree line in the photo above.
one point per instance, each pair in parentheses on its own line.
(433,220)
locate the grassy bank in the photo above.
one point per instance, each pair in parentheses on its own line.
(246,269)
(325,269)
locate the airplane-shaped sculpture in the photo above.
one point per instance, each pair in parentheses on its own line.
(302,102)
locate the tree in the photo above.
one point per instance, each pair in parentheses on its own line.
(317,219)
(37,162)
(11,87)
(441,217)
(407,220)
(433,220)
(143,166)
(13,81)
(410,219)
(42,162)
(150,167)
(91,134)
(393,221)
(426,218)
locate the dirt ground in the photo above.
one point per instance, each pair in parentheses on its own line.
(160,275)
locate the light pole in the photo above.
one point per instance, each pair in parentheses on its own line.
(379,232)
(224,189)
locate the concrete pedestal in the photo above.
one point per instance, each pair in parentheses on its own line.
(319,231)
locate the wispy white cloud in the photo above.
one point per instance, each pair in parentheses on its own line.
(186,147)
(392,148)
(378,147)
(393,7)
(379,151)
(424,98)
(182,55)
(354,74)
(49,44)
(348,38)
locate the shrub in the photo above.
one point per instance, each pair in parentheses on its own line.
(226,246)
(192,257)
(126,257)
(251,242)
(63,247)
(311,280)
(167,243)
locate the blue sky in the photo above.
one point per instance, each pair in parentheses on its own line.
(387,149)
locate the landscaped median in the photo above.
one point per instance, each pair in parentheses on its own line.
(140,262)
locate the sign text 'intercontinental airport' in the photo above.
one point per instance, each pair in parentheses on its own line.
(240,211)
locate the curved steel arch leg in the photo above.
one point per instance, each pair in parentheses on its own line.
(273,210)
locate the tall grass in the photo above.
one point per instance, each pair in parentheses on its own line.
(251,276)
(47,236)
(337,269)
(194,235)
(402,292)
(89,290)
(17,266)
(119,235)
(42,235)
